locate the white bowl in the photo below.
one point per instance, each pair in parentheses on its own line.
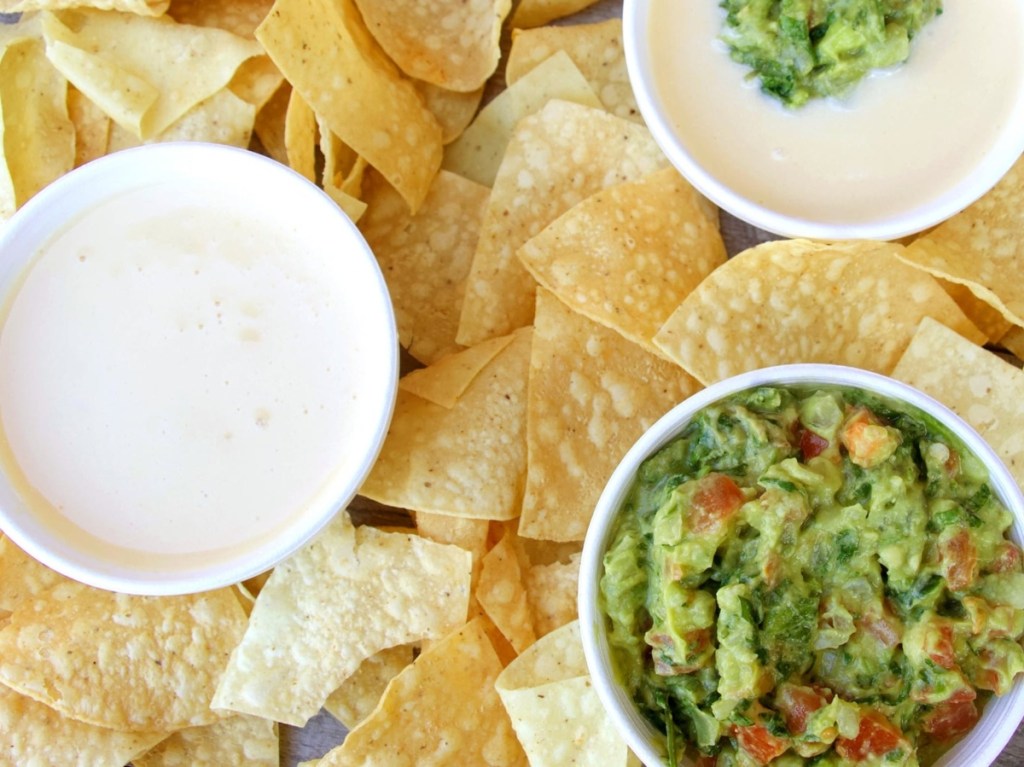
(247,300)
(906,150)
(1001,715)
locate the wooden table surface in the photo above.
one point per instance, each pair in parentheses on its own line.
(323,732)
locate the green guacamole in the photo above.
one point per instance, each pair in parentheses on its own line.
(813,576)
(805,49)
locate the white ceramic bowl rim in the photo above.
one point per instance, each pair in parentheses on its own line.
(249,174)
(1001,715)
(993,167)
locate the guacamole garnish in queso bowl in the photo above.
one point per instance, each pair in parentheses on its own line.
(808,565)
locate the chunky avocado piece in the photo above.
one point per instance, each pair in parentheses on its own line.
(806,49)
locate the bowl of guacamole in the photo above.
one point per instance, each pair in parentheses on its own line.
(808,565)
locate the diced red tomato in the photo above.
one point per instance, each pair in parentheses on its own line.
(959,561)
(952,717)
(1007,560)
(759,742)
(797,703)
(716,498)
(876,736)
(703,760)
(940,645)
(866,439)
(812,444)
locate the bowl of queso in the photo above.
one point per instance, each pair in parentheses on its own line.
(828,119)
(198,364)
(808,565)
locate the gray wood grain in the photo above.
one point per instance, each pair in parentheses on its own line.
(323,732)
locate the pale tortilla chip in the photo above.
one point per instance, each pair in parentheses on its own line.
(551,592)
(447,379)
(596,49)
(145,73)
(300,136)
(1013,341)
(454,110)
(451,43)
(326,53)
(221,119)
(246,740)
(441,710)
(34,734)
(139,664)
(358,695)
(468,534)
(981,247)
(592,395)
(467,461)
(38,138)
(977,385)
(629,255)
(478,153)
(21,576)
(554,708)
(535,13)
(345,596)
(425,258)
(92,127)
(352,207)
(502,596)
(256,80)
(240,17)
(556,159)
(138,7)
(785,301)
(982,314)
(269,124)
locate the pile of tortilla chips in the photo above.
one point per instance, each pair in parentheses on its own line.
(558,287)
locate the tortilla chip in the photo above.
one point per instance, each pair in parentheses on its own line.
(326,53)
(982,314)
(345,596)
(441,710)
(221,119)
(352,207)
(446,380)
(854,303)
(629,255)
(556,159)
(981,247)
(425,257)
(450,43)
(596,50)
(502,595)
(986,391)
(468,534)
(551,592)
(1013,341)
(592,395)
(145,73)
(535,13)
(92,127)
(478,153)
(358,695)
(256,80)
(139,664)
(554,708)
(269,124)
(300,136)
(454,110)
(138,7)
(38,138)
(240,17)
(467,461)
(246,740)
(34,734)
(22,577)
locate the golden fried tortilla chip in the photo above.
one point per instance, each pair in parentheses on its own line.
(92,127)
(502,595)
(467,461)
(854,303)
(629,255)
(454,110)
(269,124)
(138,7)
(478,153)
(439,711)
(981,247)
(240,17)
(359,694)
(1013,341)
(326,53)
(21,576)
(451,43)
(247,740)
(982,314)
(596,49)
(347,595)
(447,379)
(985,390)
(300,136)
(145,73)
(34,734)
(38,137)
(551,592)
(557,158)
(256,80)
(592,395)
(221,119)
(425,257)
(554,708)
(139,664)
(535,13)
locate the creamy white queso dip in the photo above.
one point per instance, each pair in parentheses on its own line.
(899,141)
(178,374)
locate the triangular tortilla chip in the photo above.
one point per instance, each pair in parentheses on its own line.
(853,303)
(556,159)
(467,461)
(445,381)
(629,255)
(358,695)
(247,740)
(502,595)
